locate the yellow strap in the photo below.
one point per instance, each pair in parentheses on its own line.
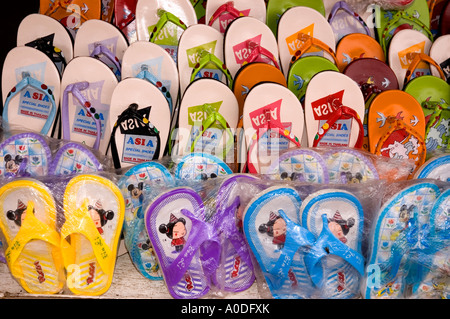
(79,221)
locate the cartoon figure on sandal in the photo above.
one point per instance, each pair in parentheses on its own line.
(349,178)
(18,215)
(175,230)
(276,228)
(339,226)
(99,215)
(12,165)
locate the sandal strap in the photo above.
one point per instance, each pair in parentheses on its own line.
(416,59)
(226,7)
(342,5)
(309,42)
(256,52)
(207,58)
(147,75)
(165,17)
(101,49)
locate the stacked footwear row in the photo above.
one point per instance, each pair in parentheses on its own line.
(139,117)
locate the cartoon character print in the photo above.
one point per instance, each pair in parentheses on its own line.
(100,216)
(293,177)
(349,178)
(12,165)
(276,228)
(19,214)
(175,230)
(340,227)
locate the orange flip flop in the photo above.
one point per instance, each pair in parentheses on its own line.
(397,126)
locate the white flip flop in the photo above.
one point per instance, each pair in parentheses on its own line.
(440,52)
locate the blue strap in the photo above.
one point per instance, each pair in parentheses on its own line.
(146,75)
(296,237)
(26,81)
(327,244)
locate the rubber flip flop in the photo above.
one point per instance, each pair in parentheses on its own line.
(404,45)
(335,262)
(247,40)
(187,248)
(436,167)
(32,243)
(413,17)
(163,22)
(444,25)
(107,10)
(436,8)
(290,35)
(439,52)
(25,154)
(94,212)
(136,186)
(201,166)
(373,77)
(433,94)
(304,165)
(48,35)
(31,90)
(71,14)
(220,13)
(207,119)
(194,45)
(235,272)
(74,158)
(101,40)
(391,242)
(140,123)
(349,166)
(125,18)
(344,20)
(355,46)
(434,254)
(87,85)
(397,127)
(149,61)
(278,242)
(334,111)
(273,121)
(276,8)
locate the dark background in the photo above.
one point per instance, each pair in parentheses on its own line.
(13,11)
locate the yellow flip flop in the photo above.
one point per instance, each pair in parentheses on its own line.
(28,224)
(94,211)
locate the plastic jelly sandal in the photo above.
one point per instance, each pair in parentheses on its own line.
(201,166)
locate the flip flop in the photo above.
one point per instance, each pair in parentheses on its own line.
(31,90)
(272,121)
(301,71)
(373,77)
(207,119)
(141,116)
(434,256)
(101,40)
(335,262)
(436,8)
(349,166)
(247,40)
(444,25)
(344,20)
(291,39)
(303,165)
(433,94)
(32,243)
(107,10)
(278,242)
(49,36)
(188,255)
(436,167)
(235,272)
(413,17)
(397,127)
(74,158)
(334,103)
(197,42)
(276,8)
(71,14)
(25,154)
(439,52)
(125,18)
(390,247)
(200,166)
(149,61)
(356,46)
(400,56)
(135,188)
(94,212)
(163,22)
(219,13)
(87,85)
